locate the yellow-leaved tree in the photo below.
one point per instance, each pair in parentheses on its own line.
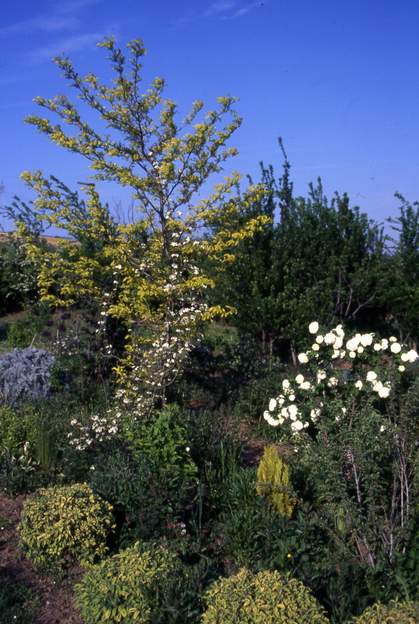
(148,273)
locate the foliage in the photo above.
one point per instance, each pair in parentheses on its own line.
(274,286)
(165,443)
(140,500)
(264,597)
(393,613)
(25,375)
(65,524)
(18,604)
(23,332)
(136,585)
(145,274)
(18,284)
(253,534)
(273,481)
(402,294)
(348,417)
(25,444)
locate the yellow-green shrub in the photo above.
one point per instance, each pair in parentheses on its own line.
(273,481)
(129,588)
(65,524)
(263,598)
(392,613)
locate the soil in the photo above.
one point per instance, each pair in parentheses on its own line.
(56,597)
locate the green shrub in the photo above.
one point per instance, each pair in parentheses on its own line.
(140,502)
(393,613)
(23,331)
(61,525)
(164,441)
(273,481)
(163,448)
(34,449)
(134,586)
(254,535)
(20,334)
(263,598)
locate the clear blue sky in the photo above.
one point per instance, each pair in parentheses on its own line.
(339,81)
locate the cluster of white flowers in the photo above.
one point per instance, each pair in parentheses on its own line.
(98,429)
(156,365)
(334,357)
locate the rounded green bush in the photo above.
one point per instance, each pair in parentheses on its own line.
(392,613)
(131,587)
(263,598)
(65,524)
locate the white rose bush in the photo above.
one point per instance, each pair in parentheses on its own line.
(338,370)
(353,436)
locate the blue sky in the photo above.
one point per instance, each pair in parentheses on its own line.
(339,81)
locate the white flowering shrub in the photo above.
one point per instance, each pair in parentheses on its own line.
(338,371)
(348,415)
(96,429)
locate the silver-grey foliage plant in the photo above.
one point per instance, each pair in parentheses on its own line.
(25,375)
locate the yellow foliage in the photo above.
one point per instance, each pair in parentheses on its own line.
(273,481)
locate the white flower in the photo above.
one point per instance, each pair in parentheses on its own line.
(306,385)
(271,421)
(302,358)
(392,339)
(413,356)
(315,346)
(395,347)
(332,382)
(352,354)
(272,405)
(358,384)
(314,414)
(339,331)
(285,384)
(297,425)
(313,328)
(353,343)
(331,339)
(384,392)
(377,346)
(384,344)
(382,428)
(292,411)
(360,349)
(338,342)
(291,397)
(299,379)
(319,339)
(321,374)
(402,368)
(335,354)
(371,376)
(377,386)
(366,340)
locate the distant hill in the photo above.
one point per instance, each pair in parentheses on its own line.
(51,240)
